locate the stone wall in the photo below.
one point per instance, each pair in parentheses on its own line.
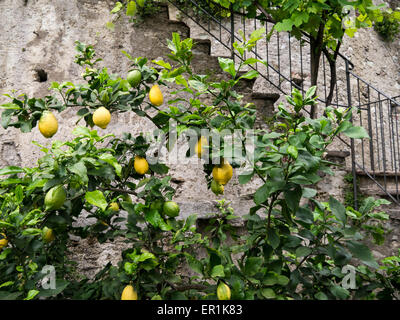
(38,36)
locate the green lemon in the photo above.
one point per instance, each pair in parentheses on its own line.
(55,198)
(48,235)
(134,77)
(171,209)
(217,188)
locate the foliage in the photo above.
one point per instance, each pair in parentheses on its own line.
(389,27)
(294,247)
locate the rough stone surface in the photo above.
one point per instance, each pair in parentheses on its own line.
(40,35)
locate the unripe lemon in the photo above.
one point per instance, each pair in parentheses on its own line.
(55,198)
(141,165)
(48,124)
(129,293)
(223,292)
(114,206)
(217,188)
(3,241)
(48,235)
(155,95)
(222,173)
(171,209)
(101,117)
(134,77)
(199,148)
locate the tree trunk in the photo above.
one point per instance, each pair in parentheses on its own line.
(316,50)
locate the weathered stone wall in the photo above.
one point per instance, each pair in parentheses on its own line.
(40,35)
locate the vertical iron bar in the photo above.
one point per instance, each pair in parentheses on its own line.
(301,66)
(232,33)
(360,108)
(279,61)
(353,156)
(383,139)
(323,67)
(290,65)
(371,140)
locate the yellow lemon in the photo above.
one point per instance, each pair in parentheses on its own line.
(48,124)
(199,148)
(3,241)
(48,235)
(114,206)
(141,165)
(223,292)
(155,95)
(129,293)
(101,117)
(223,172)
(217,188)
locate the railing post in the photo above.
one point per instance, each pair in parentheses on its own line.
(232,33)
(353,155)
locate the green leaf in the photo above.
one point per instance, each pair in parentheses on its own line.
(10,170)
(285,25)
(321,296)
(356,133)
(338,210)
(309,193)
(31,294)
(117,7)
(218,271)
(245,177)
(106,157)
(6,284)
(155,219)
(262,194)
(194,264)
(362,252)
(339,292)
(268,293)
(253,265)
(97,199)
(227,65)
(292,151)
(131,9)
(80,170)
(60,286)
(302,251)
(293,197)
(250,75)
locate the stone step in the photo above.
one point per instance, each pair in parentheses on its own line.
(390,182)
(201,46)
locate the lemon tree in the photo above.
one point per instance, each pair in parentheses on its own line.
(95,173)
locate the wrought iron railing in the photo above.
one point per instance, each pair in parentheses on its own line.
(288,66)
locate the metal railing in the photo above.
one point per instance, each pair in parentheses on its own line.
(288,66)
